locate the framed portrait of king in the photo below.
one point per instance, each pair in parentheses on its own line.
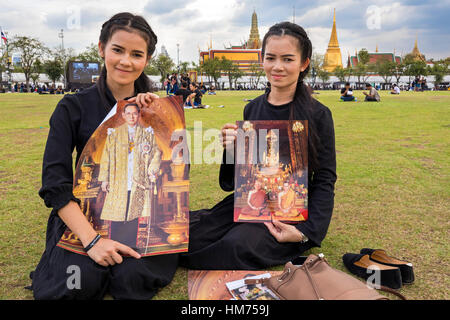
(271,171)
(132,179)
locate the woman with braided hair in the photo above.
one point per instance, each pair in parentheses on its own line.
(216,242)
(126,45)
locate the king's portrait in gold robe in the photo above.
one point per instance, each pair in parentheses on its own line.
(129,167)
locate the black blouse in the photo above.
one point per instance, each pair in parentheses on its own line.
(74,120)
(320,183)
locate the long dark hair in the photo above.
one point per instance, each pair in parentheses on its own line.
(131,23)
(302,106)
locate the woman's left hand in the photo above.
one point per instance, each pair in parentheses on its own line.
(284,232)
(144,99)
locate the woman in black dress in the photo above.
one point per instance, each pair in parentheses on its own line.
(216,242)
(126,44)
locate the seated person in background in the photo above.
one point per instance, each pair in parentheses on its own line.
(395,89)
(372,95)
(203,89)
(195,98)
(212,90)
(183,91)
(347,93)
(174,86)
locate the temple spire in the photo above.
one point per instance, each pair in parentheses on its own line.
(254,42)
(333,39)
(333,58)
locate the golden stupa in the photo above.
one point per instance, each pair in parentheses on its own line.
(254,42)
(333,56)
(415,54)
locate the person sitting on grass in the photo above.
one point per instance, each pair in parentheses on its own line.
(372,95)
(347,93)
(395,89)
(212,90)
(194,100)
(183,91)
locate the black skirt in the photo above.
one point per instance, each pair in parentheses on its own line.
(62,274)
(218,243)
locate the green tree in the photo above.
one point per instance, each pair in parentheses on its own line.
(184,67)
(30,50)
(439,70)
(257,72)
(340,73)
(415,68)
(54,69)
(163,64)
(90,54)
(38,68)
(398,71)
(213,69)
(232,71)
(324,76)
(386,70)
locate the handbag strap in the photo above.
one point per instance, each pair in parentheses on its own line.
(389,290)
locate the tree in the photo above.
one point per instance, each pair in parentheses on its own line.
(213,69)
(363,69)
(184,67)
(340,73)
(38,68)
(54,69)
(324,76)
(30,50)
(232,71)
(316,64)
(90,54)
(415,68)
(385,69)
(363,56)
(257,72)
(439,71)
(398,71)
(163,64)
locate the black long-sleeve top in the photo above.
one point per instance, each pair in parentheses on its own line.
(72,123)
(320,182)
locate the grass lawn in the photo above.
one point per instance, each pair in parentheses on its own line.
(392,190)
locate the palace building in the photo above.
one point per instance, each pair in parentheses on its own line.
(243,56)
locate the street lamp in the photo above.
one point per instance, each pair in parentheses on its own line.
(178,57)
(61,35)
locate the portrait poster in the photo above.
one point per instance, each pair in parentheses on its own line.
(271,171)
(132,179)
(213,284)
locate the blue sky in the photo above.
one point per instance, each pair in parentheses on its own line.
(360,24)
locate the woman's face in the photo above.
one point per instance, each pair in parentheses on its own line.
(125,57)
(282,61)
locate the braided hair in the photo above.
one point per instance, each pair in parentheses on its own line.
(130,23)
(301,107)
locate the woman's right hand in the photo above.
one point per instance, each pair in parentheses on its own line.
(228,134)
(108,252)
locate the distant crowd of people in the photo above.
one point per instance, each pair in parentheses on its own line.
(190,91)
(41,89)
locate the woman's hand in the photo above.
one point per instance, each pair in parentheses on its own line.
(228,134)
(144,99)
(284,232)
(108,252)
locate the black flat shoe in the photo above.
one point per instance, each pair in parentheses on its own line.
(362,266)
(380,256)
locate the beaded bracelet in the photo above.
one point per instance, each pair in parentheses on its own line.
(93,242)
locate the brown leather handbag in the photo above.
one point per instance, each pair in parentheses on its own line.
(315,279)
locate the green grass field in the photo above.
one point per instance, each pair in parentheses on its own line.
(392,190)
